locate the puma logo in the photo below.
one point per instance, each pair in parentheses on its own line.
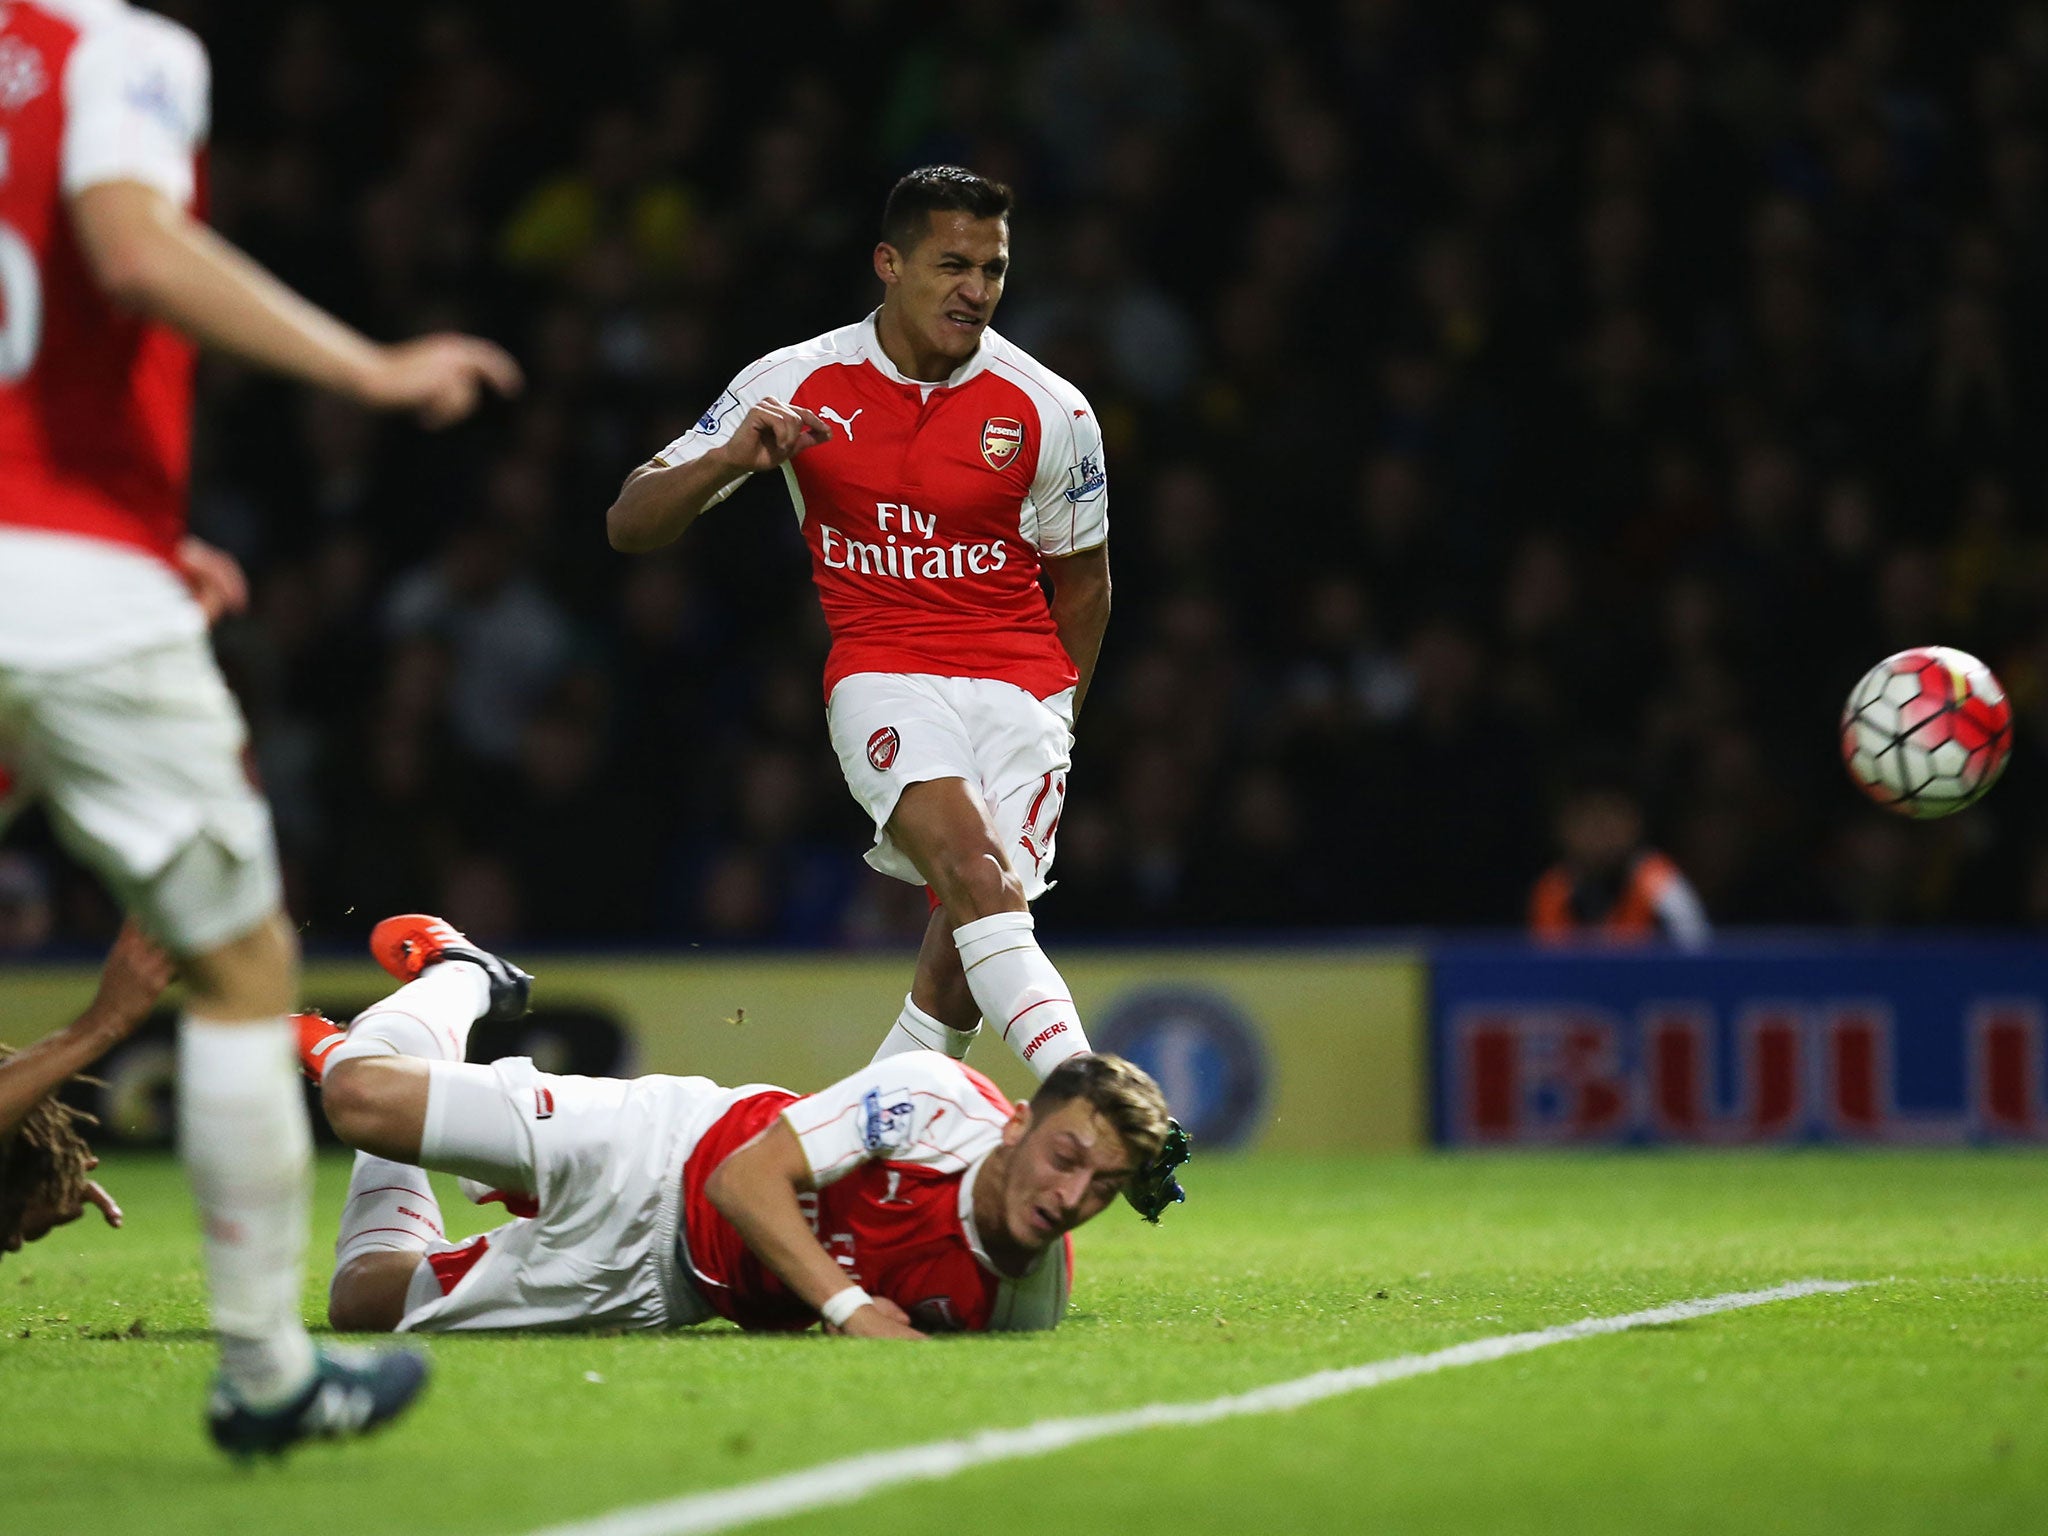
(845,423)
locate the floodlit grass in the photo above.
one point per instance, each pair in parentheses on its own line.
(1914,1404)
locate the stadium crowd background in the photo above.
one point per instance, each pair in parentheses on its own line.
(1485,385)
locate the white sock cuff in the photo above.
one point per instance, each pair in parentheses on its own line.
(387,1031)
(987,937)
(936,1025)
(995,922)
(936,1034)
(354,1046)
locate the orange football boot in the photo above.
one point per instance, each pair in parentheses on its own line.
(406,945)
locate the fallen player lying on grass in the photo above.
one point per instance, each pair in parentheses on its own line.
(44,1161)
(909,1198)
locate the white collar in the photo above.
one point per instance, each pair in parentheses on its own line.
(871,349)
(974,1233)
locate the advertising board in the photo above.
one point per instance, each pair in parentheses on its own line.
(1900,1041)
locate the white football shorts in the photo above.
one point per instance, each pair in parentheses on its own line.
(604,1157)
(894,729)
(139,761)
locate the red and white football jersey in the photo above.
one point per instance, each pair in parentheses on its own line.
(894,1150)
(95,403)
(927,512)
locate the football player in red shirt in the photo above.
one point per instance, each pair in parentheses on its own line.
(112,712)
(909,1198)
(938,472)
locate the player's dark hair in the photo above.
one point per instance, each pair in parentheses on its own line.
(930,189)
(47,1157)
(1122,1092)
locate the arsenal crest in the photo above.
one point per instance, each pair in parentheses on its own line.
(1001,437)
(882,748)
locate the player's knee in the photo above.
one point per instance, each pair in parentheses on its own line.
(975,882)
(368,1293)
(349,1097)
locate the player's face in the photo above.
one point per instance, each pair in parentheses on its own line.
(1064,1169)
(945,288)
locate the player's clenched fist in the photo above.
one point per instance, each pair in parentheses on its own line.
(770,435)
(659,500)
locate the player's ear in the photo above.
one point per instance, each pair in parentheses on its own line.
(888,263)
(1019,1122)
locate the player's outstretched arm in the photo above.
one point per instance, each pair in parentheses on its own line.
(658,501)
(756,1190)
(151,256)
(1080,609)
(134,976)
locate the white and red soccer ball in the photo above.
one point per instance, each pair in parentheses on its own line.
(1927,732)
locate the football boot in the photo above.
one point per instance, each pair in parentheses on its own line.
(407,945)
(353,1391)
(1153,1187)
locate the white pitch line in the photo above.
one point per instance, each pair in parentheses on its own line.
(855,1477)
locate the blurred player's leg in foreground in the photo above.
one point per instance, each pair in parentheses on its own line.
(244,1137)
(112,711)
(138,759)
(137,756)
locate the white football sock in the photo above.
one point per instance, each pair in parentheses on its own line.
(430,1016)
(916,1030)
(1020,991)
(390,1206)
(473,1128)
(248,1148)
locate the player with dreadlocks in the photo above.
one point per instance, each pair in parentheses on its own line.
(44,1160)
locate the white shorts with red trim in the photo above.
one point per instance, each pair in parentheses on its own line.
(140,762)
(604,1160)
(892,730)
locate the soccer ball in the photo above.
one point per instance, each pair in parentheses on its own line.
(1927,732)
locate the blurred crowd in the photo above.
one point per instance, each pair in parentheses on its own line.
(1485,385)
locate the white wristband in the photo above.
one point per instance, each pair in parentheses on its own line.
(841,1305)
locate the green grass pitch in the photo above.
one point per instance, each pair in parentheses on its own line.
(1918,1403)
